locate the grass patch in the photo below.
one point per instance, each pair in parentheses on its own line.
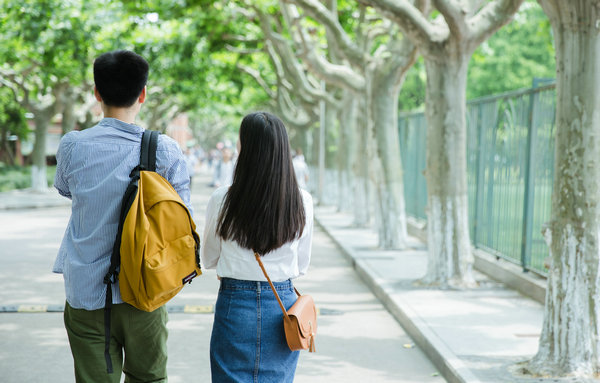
(19,177)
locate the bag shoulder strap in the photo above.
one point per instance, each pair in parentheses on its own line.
(147,162)
(148,150)
(271,283)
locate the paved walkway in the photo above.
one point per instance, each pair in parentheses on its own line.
(476,335)
(29,199)
(358,341)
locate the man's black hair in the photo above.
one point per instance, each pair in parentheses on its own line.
(120,76)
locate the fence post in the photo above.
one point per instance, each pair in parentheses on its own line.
(529,194)
(491,171)
(404,158)
(322,122)
(421,165)
(480,175)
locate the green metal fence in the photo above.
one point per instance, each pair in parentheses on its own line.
(510,165)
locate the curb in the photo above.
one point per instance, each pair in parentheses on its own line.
(25,199)
(448,364)
(174,309)
(31,206)
(510,274)
(31,309)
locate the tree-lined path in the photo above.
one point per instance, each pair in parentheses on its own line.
(358,339)
(338,73)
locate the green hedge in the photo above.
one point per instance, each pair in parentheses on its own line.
(19,177)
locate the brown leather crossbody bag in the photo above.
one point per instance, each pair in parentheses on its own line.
(300,321)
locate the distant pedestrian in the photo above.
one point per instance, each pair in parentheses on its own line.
(224,168)
(191,161)
(263,211)
(301,169)
(93,169)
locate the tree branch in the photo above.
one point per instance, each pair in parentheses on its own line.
(454,16)
(239,38)
(9,79)
(412,22)
(341,76)
(290,112)
(383,30)
(62,94)
(276,61)
(490,18)
(258,78)
(279,49)
(242,51)
(323,15)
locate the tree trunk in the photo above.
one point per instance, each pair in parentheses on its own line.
(330,191)
(68,101)
(383,111)
(314,157)
(569,344)
(360,165)
(69,119)
(450,259)
(300,140)
(6,152)
(153,123)
(39,181)
(346,150)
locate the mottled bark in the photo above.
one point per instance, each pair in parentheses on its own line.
(377,76)
(569,344)
(346,150)
(39,181)
(329,193)
(300,139)
(44,108)
(447,47)
(69,118)
(6,152)
(449,245)
(383,89)
(360,186)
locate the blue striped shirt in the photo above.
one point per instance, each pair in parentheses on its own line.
(92,170)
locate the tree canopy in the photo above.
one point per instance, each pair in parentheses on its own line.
(511,59)
(201,53)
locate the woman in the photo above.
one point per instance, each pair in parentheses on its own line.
(263,211)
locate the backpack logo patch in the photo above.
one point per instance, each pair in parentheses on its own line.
(189,278)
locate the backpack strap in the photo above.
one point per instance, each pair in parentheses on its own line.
(147,162)
(148,150)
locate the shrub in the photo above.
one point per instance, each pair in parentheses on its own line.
(19,177)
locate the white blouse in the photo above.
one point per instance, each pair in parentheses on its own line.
(232,261)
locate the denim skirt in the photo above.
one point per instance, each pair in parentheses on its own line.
(248,341)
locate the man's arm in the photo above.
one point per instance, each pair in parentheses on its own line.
(63,159)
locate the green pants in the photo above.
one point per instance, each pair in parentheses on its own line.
(140,335)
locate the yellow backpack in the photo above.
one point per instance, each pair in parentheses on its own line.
(157,249)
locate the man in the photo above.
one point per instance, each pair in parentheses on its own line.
(93,169)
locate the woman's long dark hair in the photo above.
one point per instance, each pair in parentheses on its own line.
(263,208)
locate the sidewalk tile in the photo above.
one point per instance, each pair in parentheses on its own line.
(471,335)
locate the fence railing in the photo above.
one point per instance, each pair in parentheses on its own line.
(510,165)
